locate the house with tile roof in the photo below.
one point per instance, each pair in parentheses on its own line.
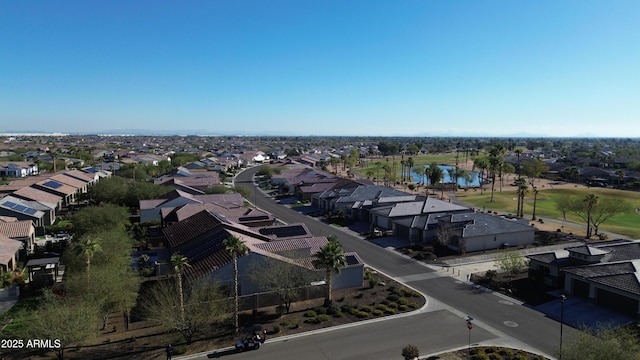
(66,192)
(606,274)
(20,230)
(21,209)
(9,250)
(231,205)
(201,239)
(475,231)
(400,217)
(356,198)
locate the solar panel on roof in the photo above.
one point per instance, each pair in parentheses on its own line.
(351,260)
(30,211)
(287,231)
(52,184)
(20,208)
(9,204)
(254,218)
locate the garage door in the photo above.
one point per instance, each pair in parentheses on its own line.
(616,302)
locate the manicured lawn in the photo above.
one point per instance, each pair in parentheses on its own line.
(627,223)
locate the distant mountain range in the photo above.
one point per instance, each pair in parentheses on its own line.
(200,132)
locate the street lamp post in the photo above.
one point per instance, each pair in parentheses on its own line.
(563,297)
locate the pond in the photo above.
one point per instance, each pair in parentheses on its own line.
(475,177)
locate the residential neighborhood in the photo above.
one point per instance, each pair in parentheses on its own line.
(190,209)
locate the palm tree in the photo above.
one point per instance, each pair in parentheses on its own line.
(235,247)
(179,262)
(481,163)
(495,165)
(410,164)
(521,186)
(377,172)
(331,258)
(518,152)
(620,174)
(88,246)
(591,200)
(435,174)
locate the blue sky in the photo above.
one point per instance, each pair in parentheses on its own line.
(428,67)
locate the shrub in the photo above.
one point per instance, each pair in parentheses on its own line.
(410,352)
(333,309)
(393,297)
(403,301)
(393,305)
(180,349)
(354,311)
(310,314)
(276,329)
(405,292)
(323,317)
(320,310)
(338,315)
(390,311)
(413,305)
(382,307)
(403,308)
(362,315)
(378,312)
(495,356)
(366,308)
(491,274)
(415,294)
(393,290)
(506,352)
(312,320)
(346,307)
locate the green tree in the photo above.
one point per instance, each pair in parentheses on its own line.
(243,191)
(113,288)
(496,161)
(144,191)
(482,163)
(235,247)
(87,247)
(605,209)
(511,262)
(93,219)
(178,263)
(71,322)
(435,174)
(521,188)
(111,190)
(331,258)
